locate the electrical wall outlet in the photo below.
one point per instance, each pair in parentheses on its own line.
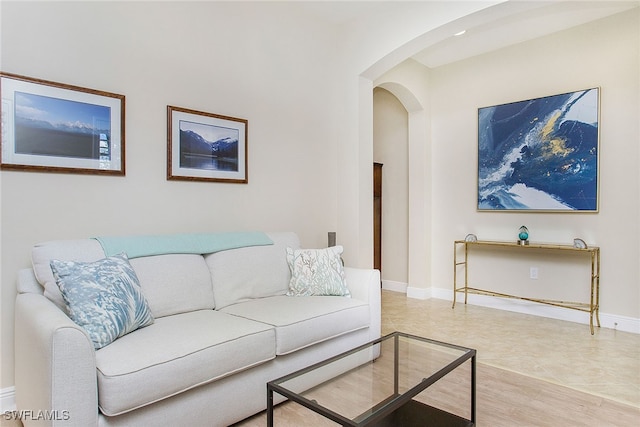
(533,273)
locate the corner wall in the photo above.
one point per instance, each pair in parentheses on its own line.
(562,62)
(253,61)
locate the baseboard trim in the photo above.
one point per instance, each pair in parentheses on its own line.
(411,292)
(418,293)
(392,285)
(610,321)
(7,399)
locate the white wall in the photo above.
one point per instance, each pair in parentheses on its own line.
(565,61)
(259,62)
(371,46)
(569,60)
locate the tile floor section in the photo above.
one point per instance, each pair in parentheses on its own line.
(605,364)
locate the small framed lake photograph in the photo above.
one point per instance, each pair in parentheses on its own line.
(206,147)
(540,154)
(56,127)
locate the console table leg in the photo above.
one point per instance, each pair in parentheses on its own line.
(455,268)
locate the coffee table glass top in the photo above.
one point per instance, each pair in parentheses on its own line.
(366,385)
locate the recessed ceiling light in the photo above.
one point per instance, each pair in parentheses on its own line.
(460,33)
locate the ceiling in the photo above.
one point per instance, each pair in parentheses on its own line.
(493,28)
(514,23)
(341,12)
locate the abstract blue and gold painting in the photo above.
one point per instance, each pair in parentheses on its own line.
(540,154)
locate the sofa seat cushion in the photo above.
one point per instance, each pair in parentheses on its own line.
(178,353)
(303,321)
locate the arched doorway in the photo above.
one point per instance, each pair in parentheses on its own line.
(391,218)
(417,259)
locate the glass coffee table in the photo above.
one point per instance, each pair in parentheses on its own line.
(391,381)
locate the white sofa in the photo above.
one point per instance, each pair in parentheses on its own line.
(223,328)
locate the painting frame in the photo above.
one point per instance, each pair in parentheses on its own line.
(206,147)
(540,154)
(56,127)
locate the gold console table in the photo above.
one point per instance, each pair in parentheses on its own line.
(592,307)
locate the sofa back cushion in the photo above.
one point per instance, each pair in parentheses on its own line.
(170,283)
(252,272)
(84,250)
(174,283)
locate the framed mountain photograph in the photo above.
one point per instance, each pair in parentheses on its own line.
(206,147)
(540,154)
(56,127)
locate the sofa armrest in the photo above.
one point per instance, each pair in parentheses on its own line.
(364,285)
(55,368)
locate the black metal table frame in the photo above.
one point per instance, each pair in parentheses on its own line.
(388,406)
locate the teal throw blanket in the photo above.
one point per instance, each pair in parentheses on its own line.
(197,243)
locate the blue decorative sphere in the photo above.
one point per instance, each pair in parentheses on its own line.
(524,233)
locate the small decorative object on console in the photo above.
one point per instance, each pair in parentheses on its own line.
(579,244)
(471,238)
(523,236)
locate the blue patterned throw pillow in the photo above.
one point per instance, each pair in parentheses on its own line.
(317,272)
(103,297)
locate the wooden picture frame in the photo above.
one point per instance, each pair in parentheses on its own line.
(206,147)
(56,127)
